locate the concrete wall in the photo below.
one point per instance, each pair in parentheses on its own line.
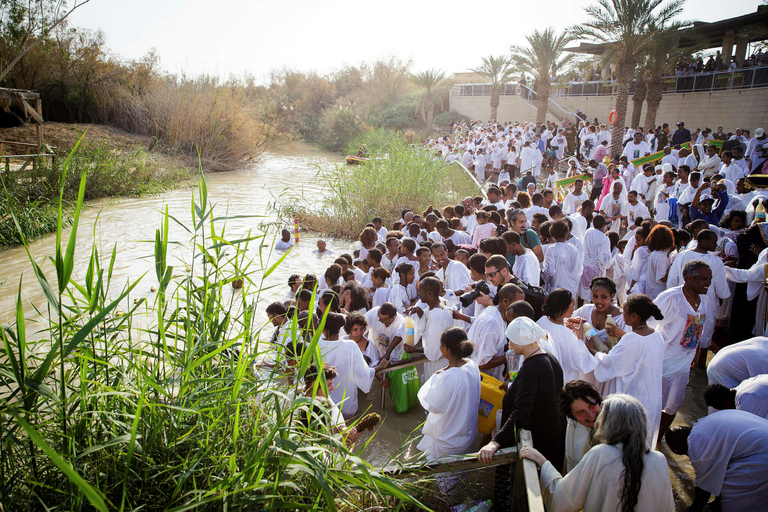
(511,108)
(746,108)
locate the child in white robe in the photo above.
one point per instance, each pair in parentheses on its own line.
(431,324)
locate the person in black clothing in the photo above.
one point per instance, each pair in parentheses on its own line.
(530,403)
(681,135)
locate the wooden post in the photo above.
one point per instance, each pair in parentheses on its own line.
(531,476)
(38,104)
(451,464)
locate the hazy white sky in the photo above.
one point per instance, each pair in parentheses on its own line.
(226,37)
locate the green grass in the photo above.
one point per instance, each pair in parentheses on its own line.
(409,177)
(159,406)
(34,193)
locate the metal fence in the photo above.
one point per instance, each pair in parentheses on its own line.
(744,78)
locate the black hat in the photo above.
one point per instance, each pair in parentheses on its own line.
(680,122)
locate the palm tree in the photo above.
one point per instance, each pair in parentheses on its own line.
(542,58)
(497,70)
(662,57)
(428,80)
(641,91)
(625,27)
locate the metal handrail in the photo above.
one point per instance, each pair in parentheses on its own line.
(741,78)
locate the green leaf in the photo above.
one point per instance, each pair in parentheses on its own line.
(92,494)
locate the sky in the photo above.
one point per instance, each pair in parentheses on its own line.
(239,37)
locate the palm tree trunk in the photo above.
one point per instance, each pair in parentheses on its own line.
(542,94)
(638,98)
(494,101)
(430,113)
(653,99)
(625,72)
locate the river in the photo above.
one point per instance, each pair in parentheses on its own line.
(130,224)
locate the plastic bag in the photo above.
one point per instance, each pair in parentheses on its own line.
(404,387)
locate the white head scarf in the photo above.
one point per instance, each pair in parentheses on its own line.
(524,331)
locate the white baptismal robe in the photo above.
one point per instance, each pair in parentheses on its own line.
(431,326)
(528,268)
(353,371)
(595,484)
(455,276)
(752,396)
(562,267)
(729,454)
(452,400)
(633,366)
(488,333)
(738,362)
(570,352)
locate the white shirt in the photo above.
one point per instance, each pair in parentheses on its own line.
(353,371)
(488,334)
(381,335)
(452,400)
(729,454)
(681,329)
(572,202)
(752,396)
(736,363)
(634,151)
(633,366)
(527,268)
(431,326)
(612,207)
(661,202)
(597,249)
(455,276)
(570,352)
(637,210)
(657,267)
(283,246)
(562,267)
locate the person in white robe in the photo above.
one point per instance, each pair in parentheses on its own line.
(453,274)
(751,395)
(431,320)
(738,362)
(729,454)
(755,277)
(487,333)
(569,350)
(597,256)
(574,199)
(529,157)
(451,399)
(718,290)
(615,207)
(633,366)
(597,482)
(580,402)
(384,329)
(353,372)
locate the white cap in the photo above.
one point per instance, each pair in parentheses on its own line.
(759,132)
(524,331)
(666,167)
(706,196)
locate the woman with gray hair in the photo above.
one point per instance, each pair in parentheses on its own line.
(618,474)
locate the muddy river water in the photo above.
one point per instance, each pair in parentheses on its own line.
(130,224)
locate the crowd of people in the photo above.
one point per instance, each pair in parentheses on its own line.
(590,301)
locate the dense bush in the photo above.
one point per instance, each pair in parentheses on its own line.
(444,119)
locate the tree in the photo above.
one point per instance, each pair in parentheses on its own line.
(24,24)
(626,29)
(641,90)
(428,80)
(542,58)
(390,76)
(498,71)
(662,57)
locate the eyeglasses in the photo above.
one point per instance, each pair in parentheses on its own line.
(492,274)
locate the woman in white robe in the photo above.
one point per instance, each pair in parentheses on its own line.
(634,365)
(599,482)
(354,372)
(451,398)
(399,295)
(570,351)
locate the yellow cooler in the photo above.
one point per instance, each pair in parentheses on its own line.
(490,402)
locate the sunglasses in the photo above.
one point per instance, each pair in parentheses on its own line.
(492,274)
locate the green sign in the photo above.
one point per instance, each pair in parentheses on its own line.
(655,156)
(567,182)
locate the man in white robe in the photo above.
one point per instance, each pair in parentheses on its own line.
(528,158)
(751,395)
(488,334)
(597,256)
(738,362)
(453,274)
(729,454)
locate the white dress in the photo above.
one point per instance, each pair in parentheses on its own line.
(597,256)
(528,268)
(595,484)
(452,400)
(729,454)
(353,371)
(585,312)
(398,297)
(570,351)
(633,366)
(562,268)
(657,267)
(431,326)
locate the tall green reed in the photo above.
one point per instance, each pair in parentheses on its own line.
(170,405)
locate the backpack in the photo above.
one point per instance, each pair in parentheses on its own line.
(534,295)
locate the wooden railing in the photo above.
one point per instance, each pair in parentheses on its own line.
(525,470)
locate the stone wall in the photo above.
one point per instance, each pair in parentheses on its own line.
(747,108)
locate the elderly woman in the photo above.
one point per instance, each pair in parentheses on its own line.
(530,403)
(619,473)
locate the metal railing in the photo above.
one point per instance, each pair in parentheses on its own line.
(743,78)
